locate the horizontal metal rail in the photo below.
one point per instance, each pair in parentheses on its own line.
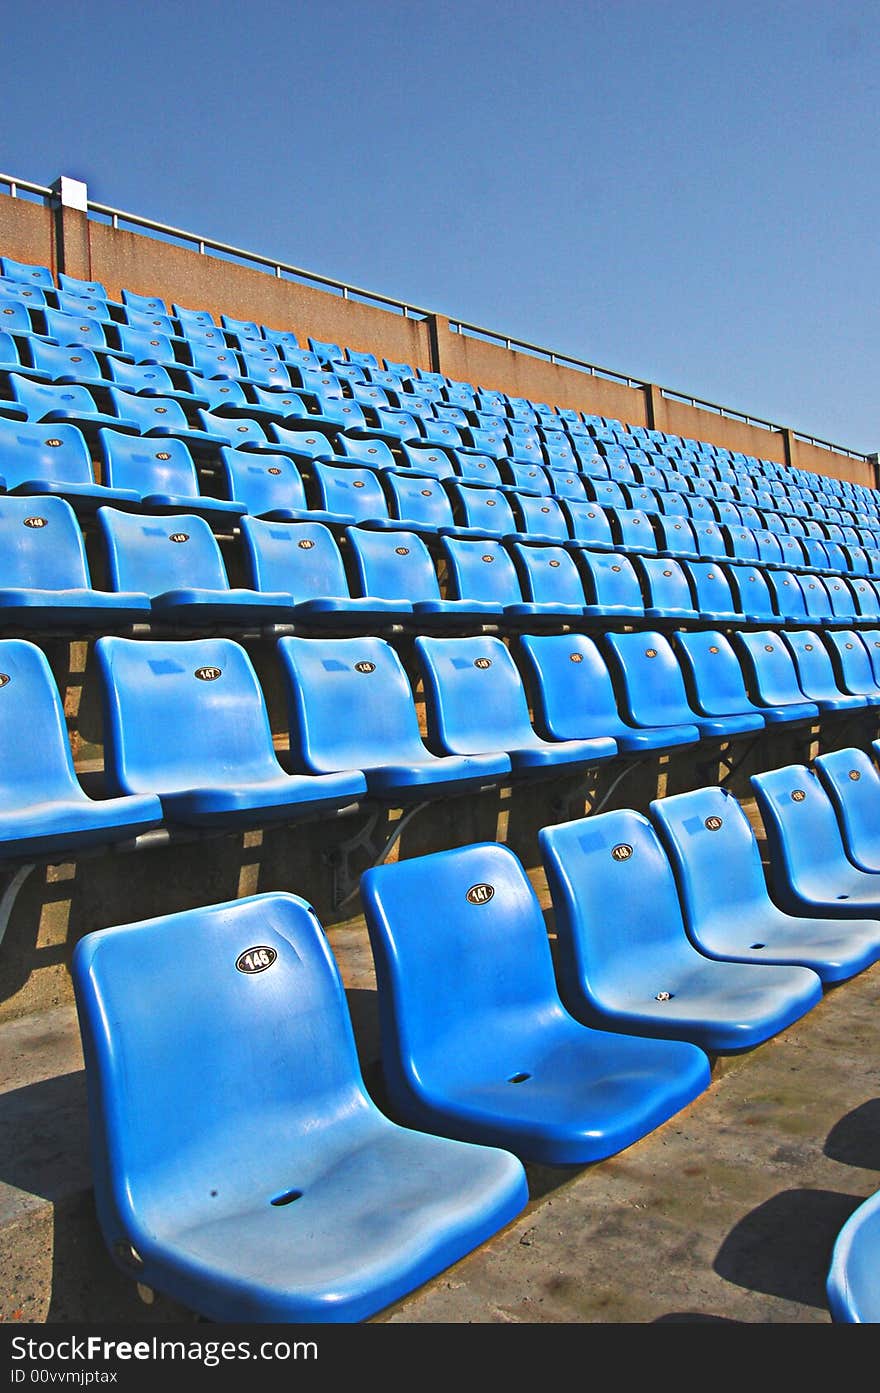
(284,270)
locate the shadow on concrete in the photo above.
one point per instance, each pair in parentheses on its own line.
(783,1247)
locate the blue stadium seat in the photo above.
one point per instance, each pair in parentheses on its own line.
(269,485)
(787,595)
(611,585)
(64,363)
(93,306)
(675,536)
(714,677)
(852,782)
(633,532)
(162,474)
(851,1285)
(462,957)
(853,668)
(38,460)
(44,573)
(351,491)
(146,346)
(44,809)
(330,1211)
(475,701)
(666,590)
(588,525)
(771,675)
(186,720)
(652,688)
(192,318)
(398,566)
(30,296)
(158,417)
(646,976)
(572,697)
(29,273)
(153,380)
(70,404)
(146,304)
(177,561)
(419,502)
(350,706)
(430,460)
(485,511)
(809,869)
(752,596)
(816,598)
(549,576)
(815,672)
(539,518)
(303,560)
(727,906)
(483,572)
(15,317)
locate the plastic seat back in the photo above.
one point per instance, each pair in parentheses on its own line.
(475,700)
(665,587)
(588,524)
(787,595)
(713,675)
(717,862)
(852,782)
(548,575)
(66,362)
(611,582)
(808,859)
(480,570)
(812,660)
(31,451)
(300,559)
(353,491)
(612,858)
(463,967)
(350,705)
(31,706)
(41,545)
(770,671)
(486,510)
(182,714)
(29,273)
(264,482)
(649,678)
(852,1285)
(418,499)
(851,657)
(147,466)
(392,565)
(153,555)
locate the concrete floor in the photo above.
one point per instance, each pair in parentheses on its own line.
(726,1214)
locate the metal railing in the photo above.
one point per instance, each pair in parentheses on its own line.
(282,270)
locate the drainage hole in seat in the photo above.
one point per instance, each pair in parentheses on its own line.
(518,1078)
(287,1197)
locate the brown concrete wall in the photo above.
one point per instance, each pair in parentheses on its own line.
(500,369)
(122,259)
(27,232)
(679,418)
(819,461)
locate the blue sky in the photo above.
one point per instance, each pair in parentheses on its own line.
(684,192)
